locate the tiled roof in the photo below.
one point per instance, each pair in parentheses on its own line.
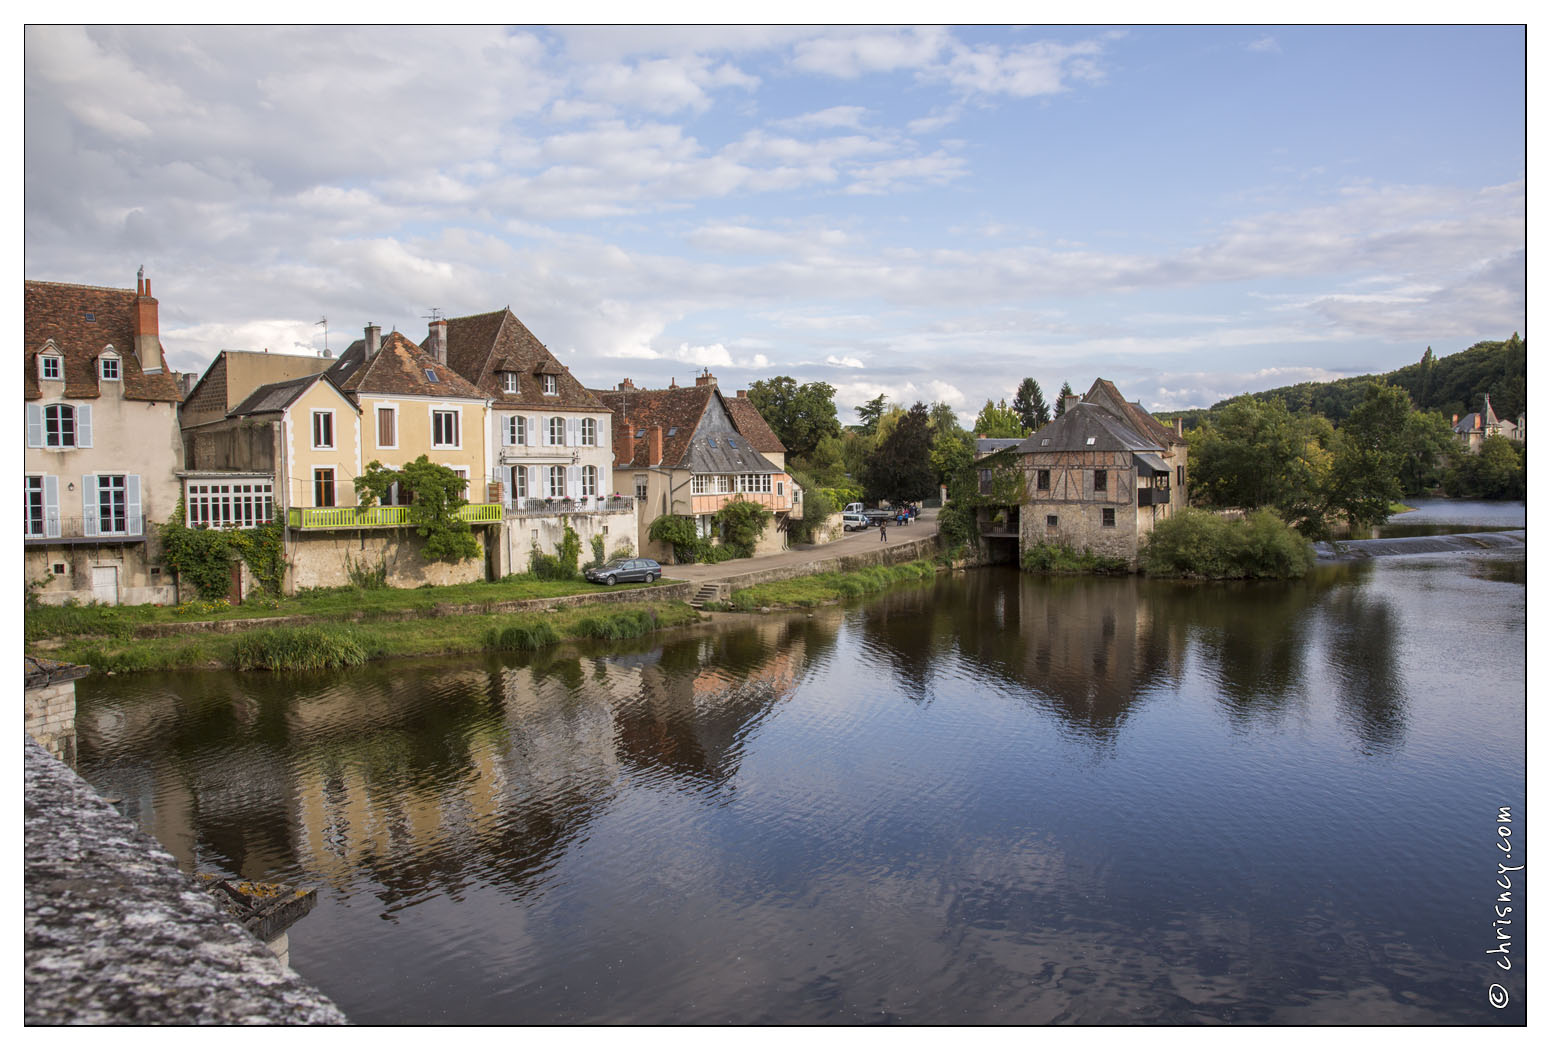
(481,346)
(676,410)
(1141,421)
(398,368)
(58,311)
(1073,429)
(276,397)
(753,426)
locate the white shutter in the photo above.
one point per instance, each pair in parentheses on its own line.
(50,505)
(89,505)
(83,427)
(535,482)
(573,481)
(534,437)
(34,426)
(132,504)
(570,432)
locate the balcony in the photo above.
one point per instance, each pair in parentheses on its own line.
(1154,497)
(53,530)
(534,505)
(377,517)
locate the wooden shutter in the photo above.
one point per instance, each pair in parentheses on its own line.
(83,427)
(89,505)
(132,522)
(34,426)
(573,481)
(50,505)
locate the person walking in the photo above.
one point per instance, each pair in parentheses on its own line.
(883,530)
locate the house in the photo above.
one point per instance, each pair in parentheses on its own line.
(1474,428)
(685,453)
(103,443)
(235,374)
(550,443)
(1100,475)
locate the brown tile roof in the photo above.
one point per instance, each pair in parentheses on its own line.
(481,346)
(752,425)
(398,368)
(58,311)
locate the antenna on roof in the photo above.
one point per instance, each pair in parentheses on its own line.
(434,315)
(325,323)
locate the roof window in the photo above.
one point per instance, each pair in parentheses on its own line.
(641,433)
(91,318)
(1090,441)
(672,431)
(731,444)
(430,374)
(711,442)
(1044,441)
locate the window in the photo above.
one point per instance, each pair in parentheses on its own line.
(731,443)
(556,430)
(509,382)
(444,429)
(589,431)
(1100,482)
(551,385)
(59,426)
(1051,521)
(323,487)
(430,375)
(112,504)
(640,487)
(1180,474)
(697,484)
(1091,441)
(235,505)
(516,429)
(1108,521)
(109,368)
(589,480)
(35,518)
(985,481)
(387,428)
(53,367)
(1042,481)
(323,430)
(520,482)
(557,482)
(753,483)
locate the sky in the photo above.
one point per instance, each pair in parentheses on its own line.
(926,213)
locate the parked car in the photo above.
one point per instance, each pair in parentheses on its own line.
(625,570)
(854,520)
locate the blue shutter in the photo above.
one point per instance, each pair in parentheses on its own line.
(50,505)
(34,426)
(89,505)
(133,522)
(83,427)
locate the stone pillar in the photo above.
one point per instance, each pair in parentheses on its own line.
(49,703)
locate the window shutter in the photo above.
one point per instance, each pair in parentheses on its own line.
(533,431)
(34,426)
(535,482)
(83,427)
(570,432)
(50,505)
(573,481)
(132,504)
(89,505)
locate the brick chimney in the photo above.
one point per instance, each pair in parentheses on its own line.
(705,379)
(437,340)
(743,394)
(1179,426)
(1456,418)
(373,341)
(148,342)
(653,446)
(626,384)
(673,384)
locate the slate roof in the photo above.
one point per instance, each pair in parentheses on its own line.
(482,346)
(58,311)
(1140,420)
(987,446)
(1478,421)
(278,396)
(1071,431)
(398,368)
(684,414)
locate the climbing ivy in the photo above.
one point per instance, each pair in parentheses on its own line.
(203,557)
(436,494)
(742,522)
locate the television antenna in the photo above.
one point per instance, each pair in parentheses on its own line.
(325,323)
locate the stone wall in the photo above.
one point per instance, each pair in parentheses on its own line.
(1081,525)
(48,702)
(521,533)
(323,559)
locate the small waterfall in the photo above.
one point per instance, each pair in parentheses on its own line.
(1334,550)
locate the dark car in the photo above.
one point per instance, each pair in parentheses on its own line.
(625,569)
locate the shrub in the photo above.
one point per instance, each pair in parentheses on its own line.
(305,648)
(621,624)
(1194,543)
(526,635)
(624,549)
(598,557)
(366,577)
(817,505)
(679,532)
(1062,558)
(563,564)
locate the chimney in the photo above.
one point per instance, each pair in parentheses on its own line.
(148,342)
(705,380)
(673,384)
(653,446)
(1179,426)
(1069,401)
(438,340)
(373,341)
(626,384)
(743,394)
(1456,418)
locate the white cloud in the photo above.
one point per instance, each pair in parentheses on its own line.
(853,54)
(844,363)
(1264,44)
(833,117)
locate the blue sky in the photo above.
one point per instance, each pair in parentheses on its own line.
(931,214)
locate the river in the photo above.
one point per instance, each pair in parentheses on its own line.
(988,798)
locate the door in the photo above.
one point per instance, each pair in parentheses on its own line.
(234,594)
(105,585)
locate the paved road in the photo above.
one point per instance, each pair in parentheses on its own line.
(924,526)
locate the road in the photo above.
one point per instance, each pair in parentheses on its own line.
(925,525)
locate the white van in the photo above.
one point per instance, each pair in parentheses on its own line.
(854,520)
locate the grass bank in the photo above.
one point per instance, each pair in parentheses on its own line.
(343,645)
(121,622)
(820,588)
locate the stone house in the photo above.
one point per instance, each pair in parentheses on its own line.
(690,451)
(1100,475)
(1474,428)
(549,443)
(102,443)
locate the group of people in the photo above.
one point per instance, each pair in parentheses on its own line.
(902,516)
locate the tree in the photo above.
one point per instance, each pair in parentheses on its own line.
(1364,479)
(952,451)
(1246,457)
(801,416)
(437,493)
(998,421)
(900,468)
(871,412)
(1495,473)
(1066,392)
(943,418)
(826,464)
(1426,442)
(1029,404)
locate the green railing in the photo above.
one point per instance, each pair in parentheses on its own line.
(376,517)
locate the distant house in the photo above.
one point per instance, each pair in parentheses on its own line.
(102,443)
(1100,475)
(1474,428)
(686,452)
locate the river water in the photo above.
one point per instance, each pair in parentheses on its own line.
(989,798)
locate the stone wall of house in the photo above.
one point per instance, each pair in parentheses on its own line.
(1080,526)
(323,559)
(521,533)
(138,577)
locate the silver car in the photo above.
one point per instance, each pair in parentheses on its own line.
(626,570)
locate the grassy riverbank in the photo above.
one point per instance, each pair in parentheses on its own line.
(803,592)
(338,645)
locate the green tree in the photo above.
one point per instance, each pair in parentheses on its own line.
(1497,472)
(871,412)
(437,493)
(952,451)
(1248,457)
(1066,392)
(801,416)
(1426,442)
(1029,404)
(900,468)
(742,522)
(1364,479)
(826,465)
(998,421)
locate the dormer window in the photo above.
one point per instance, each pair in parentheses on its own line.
(108,368)
(551,385)
(509,382)
(52,366)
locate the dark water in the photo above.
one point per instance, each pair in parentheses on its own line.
(989,799)
(1439,517)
